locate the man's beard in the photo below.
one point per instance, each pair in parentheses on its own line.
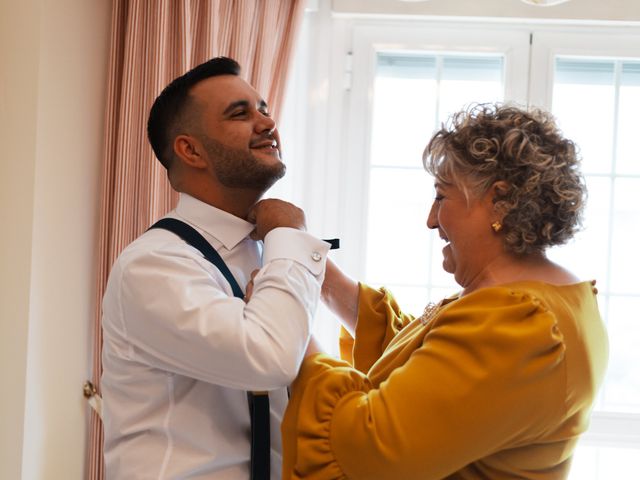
(241,169)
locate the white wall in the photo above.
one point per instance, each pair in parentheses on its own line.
(52,92)
(18,111)
(618,10)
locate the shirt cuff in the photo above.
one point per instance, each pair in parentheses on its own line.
(292,244)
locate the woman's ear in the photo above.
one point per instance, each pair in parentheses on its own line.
(499,190)
(189,151)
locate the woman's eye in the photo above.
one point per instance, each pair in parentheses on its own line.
(438,197)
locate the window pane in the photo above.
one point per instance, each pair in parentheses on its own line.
(589,124)
(403,105)
(622,386)
(398,238)
(607,247)
(625,260)
(600,463)
(628,154)
(413,93)
(468,80)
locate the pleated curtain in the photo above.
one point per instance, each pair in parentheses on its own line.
(152,42)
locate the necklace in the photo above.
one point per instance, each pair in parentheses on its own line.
(429,312)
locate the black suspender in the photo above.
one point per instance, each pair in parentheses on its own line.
(258,401)
(193,238)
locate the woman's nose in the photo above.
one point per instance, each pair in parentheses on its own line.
(432,218)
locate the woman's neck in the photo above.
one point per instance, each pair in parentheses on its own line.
(510,268)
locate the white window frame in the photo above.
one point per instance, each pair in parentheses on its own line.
(607,429)
(432,37)
(593,41)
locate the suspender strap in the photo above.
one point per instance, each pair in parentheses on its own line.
(259,411)
(258,401)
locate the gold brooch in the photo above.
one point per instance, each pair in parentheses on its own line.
(430,311)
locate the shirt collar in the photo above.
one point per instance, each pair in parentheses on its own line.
(223,226)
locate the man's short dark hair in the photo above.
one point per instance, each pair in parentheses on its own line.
(170,111)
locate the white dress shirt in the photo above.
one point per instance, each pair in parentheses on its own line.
(180,351)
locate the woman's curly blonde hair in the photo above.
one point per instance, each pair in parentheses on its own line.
(544,200)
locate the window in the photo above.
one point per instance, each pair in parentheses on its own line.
(603,128)
(377,92)
(606,133)
(412,95)
(406,80)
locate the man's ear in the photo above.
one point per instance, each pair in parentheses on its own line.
(189,151)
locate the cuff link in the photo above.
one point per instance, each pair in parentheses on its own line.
(316,257)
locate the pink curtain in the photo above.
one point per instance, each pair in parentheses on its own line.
(151,44)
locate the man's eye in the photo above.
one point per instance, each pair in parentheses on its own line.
(238,113)
(265,113)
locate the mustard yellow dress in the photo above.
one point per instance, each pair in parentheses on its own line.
(498,384)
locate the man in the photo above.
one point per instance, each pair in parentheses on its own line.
(180,351)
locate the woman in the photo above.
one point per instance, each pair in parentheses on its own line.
(496,382)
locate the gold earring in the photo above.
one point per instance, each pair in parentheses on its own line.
(497,226)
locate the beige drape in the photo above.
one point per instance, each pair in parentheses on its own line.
(153,42)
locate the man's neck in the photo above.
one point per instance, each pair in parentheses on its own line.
(235,201)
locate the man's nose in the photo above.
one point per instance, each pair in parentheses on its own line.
(265,124)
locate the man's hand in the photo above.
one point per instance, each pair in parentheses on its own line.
(273,213)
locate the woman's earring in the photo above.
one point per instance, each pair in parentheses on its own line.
(497,226)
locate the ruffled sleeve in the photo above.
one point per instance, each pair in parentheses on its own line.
(379,320)
(465,391)
(323,381)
